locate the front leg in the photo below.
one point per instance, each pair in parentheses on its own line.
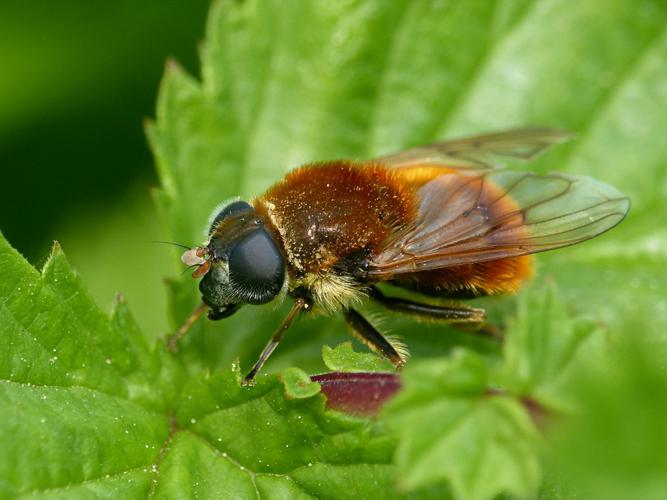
(299,305)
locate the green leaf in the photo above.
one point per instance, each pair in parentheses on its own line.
(281,442)
(544,345)
(298,384)
(195,469)
(86,408)
(75,387)
(614,448)
(451,428)
(343,358)
(123,236)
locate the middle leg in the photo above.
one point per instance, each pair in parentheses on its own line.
(375,341)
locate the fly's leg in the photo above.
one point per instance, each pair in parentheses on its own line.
(299,305)
(172,344)
(377,342)
(465,318)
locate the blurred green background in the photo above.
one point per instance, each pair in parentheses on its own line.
(78,78)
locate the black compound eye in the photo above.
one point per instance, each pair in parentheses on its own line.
(256,267)
(231,209)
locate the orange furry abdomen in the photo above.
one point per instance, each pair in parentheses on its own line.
(468,280)
(471,280)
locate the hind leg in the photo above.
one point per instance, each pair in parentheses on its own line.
(466,318)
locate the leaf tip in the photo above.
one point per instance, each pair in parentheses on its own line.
(343,358)
(172,65)
(298,384)
(56,256)
(56,250)
(121,316)
(149,124)
(157,194)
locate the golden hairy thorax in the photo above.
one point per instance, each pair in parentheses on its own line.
(325,212)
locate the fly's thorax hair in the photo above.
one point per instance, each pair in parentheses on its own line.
(279,223)
(321,214)
(324,212)
(331,292)
(276,224)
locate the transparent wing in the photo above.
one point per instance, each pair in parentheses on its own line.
(465,218)
(480,152)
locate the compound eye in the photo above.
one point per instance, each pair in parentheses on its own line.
(231,209)
(256,267)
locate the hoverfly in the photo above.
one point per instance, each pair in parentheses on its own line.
(442,220)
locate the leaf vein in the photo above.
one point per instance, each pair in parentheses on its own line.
(483,62)
(608,97)
(87,481)
(251,474)
(31,385)
(397,34)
